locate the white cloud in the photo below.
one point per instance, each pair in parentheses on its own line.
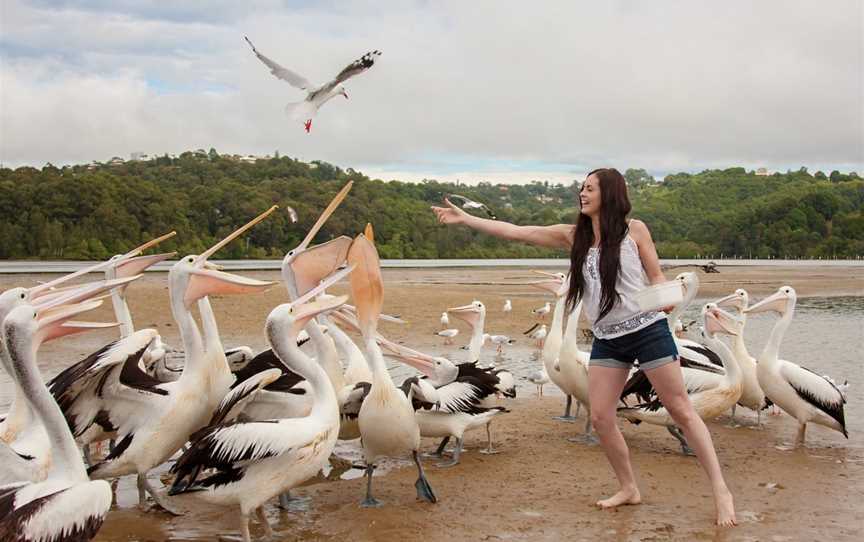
(667,86)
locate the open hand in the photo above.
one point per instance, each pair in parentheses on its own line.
(450,214)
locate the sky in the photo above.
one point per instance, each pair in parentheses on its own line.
(495,91)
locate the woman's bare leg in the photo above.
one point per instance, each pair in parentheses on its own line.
(669,385)
(604,388)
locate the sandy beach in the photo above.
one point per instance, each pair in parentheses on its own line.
(540,486)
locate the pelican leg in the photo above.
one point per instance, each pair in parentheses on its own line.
(439,452)
(144,485)
(424,490)
(675,432)
(799,439)
(489,450)
(290,502)
(370,501)
(566,417)
(457,452)
(586,437)
(732,416)
(262,518)
(578,409)
(244,527)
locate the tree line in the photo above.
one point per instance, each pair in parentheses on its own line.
(91,212)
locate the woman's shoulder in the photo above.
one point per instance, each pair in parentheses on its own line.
(638,231)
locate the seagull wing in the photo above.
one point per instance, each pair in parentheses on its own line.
(355,68)
(294,79)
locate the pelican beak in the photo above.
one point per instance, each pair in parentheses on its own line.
(418,360)
(719,321)
(54,322)
(367,286)
(305,308)
(318,262)
(80,293)
(207,282)
(334,204)
(467,313)
(45,287)
(733,300)
(202,258)
(551,286)
(775,302)
(546,274)
(139,264)
(205,278)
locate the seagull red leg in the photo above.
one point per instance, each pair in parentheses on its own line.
(308,125)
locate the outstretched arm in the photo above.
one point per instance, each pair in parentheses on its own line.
(556,236)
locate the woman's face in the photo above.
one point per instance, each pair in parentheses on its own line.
(589,196)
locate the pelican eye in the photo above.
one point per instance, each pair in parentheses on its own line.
(23,295)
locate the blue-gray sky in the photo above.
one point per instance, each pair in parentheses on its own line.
(504,91)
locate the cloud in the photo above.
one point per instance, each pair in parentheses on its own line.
(488,90)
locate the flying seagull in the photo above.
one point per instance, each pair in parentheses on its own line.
(466,203)
(317,95)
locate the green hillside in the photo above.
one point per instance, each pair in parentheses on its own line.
(92,212)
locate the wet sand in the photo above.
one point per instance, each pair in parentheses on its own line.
(540,486)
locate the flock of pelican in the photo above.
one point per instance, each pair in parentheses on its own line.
(718,377)
(238,430)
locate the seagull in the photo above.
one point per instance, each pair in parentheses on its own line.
(317,95)
(466,203)
(448,334)
(445,320)
(543,311)
(498,340)
(538,334)
(507,306)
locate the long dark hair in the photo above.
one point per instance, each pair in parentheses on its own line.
(614,208)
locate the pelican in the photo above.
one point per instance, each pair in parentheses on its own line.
(251,462)
(448,334)
(752,395)
(66,506)
(708,403)
(473,314)
(388,426)
(508,307)
(19,429)
(154,419)
(457,401)
(542,311)
(803,394)
(571,369)
(317,95)
(445,320)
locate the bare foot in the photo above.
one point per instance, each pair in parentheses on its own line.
(725,510)
(625,496)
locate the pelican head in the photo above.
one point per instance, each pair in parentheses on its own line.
(780,302)
(194,277)
(718,321)
(295,269)
(738,301)
(472,313)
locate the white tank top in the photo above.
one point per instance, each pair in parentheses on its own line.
(625,316)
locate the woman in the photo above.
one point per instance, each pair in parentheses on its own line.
(609,259)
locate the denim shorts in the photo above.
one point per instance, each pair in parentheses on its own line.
(652,346)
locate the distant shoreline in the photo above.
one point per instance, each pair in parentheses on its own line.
(63,266)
